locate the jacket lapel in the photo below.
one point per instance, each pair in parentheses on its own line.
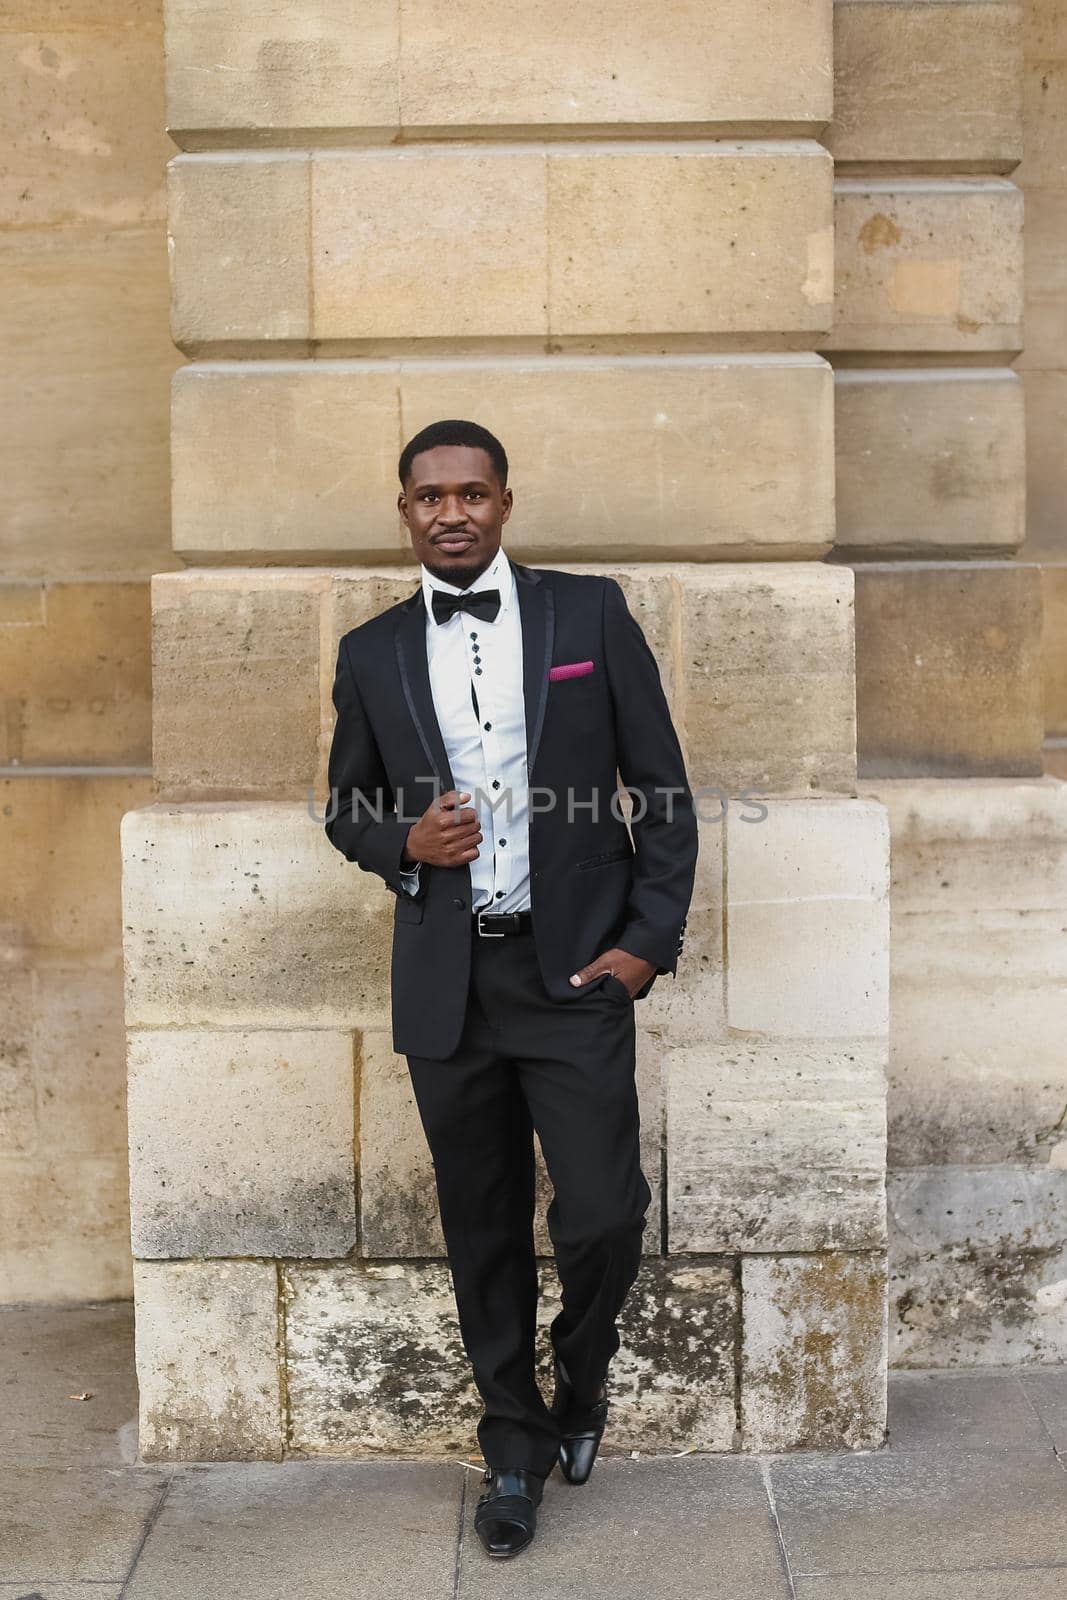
(537,619)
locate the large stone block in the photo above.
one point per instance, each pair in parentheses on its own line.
(689,1008)
(64,1228)
(476,265)
(768,671)
(398,1200)
(927,264)
(285,459)
(978,970)
(246,914)
(807,920)
(376,1362)
(690,455)
(776,1146)
(978,1265)
(239,237)
(694,456)
(1046,471)
(239,66)
(1054,648)
(813,1354)
(948,669)
(75,663)
(534,240)
(755,256)
(931,84)
(929,458)
(60,865)
(85,484)
(242,1143)
(209,1360)
(1046,273)
(235,672)
(81,122)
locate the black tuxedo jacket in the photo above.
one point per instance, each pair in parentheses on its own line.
(590,888)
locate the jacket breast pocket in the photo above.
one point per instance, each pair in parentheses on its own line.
(409,910)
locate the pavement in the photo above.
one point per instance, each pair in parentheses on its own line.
(967,1501)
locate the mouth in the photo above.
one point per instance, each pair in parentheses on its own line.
(452,543)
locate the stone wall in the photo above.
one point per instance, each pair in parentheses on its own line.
(282,1195)
(84,484)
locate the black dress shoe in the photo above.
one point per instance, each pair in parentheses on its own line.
(581,1426)
(505,1518)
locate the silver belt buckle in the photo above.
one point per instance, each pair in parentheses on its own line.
(487,933)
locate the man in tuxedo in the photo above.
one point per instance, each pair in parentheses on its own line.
(526,926)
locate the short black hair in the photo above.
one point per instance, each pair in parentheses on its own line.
(455,431)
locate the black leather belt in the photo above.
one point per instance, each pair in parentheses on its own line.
(496,924)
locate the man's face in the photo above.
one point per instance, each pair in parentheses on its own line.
(455,509)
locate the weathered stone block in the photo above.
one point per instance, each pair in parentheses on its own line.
(85,484)
(483,226)
(978,1266)
(929,459)
(1054,648)
(927,83)
(689,1008)
(693,454)
(235,675)
(241,1143)
(767,664)
(64,1228)
(79,1062)
(208,1360)
(81,121)
(776,1146)
(75,663)
(927,264)
(239,248)
(807,920)
(246,914)
(979,969)
(672,1382)
(704,67)
(813,1353)
(60,865)
(241,66)
(756,253)
(1046,478)
(285,458)
(376,1362)
(948,669)
(398,1200)
(1046,268)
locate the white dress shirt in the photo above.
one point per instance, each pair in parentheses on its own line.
(487,751)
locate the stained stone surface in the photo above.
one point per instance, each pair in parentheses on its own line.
(813,1355)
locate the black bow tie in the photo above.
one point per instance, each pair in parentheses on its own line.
(483,603)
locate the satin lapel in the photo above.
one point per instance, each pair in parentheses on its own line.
(415,677)
(537,612)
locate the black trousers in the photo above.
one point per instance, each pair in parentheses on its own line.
(525,1062)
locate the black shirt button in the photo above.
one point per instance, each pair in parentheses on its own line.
(487,725)
(502,841)
(500,894)
(496,783)
(478,671)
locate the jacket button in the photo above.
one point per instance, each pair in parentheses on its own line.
(458,904)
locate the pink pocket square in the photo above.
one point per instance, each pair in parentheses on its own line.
(569,669)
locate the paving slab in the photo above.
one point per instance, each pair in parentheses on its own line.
(1046,1389)
(272,1531)
(976,1409)
(920,1510)
(73,1524)
(48,1355)
(1011,1583)
(650,1530)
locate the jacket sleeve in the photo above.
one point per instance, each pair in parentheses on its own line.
(361,817)
(652,767)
